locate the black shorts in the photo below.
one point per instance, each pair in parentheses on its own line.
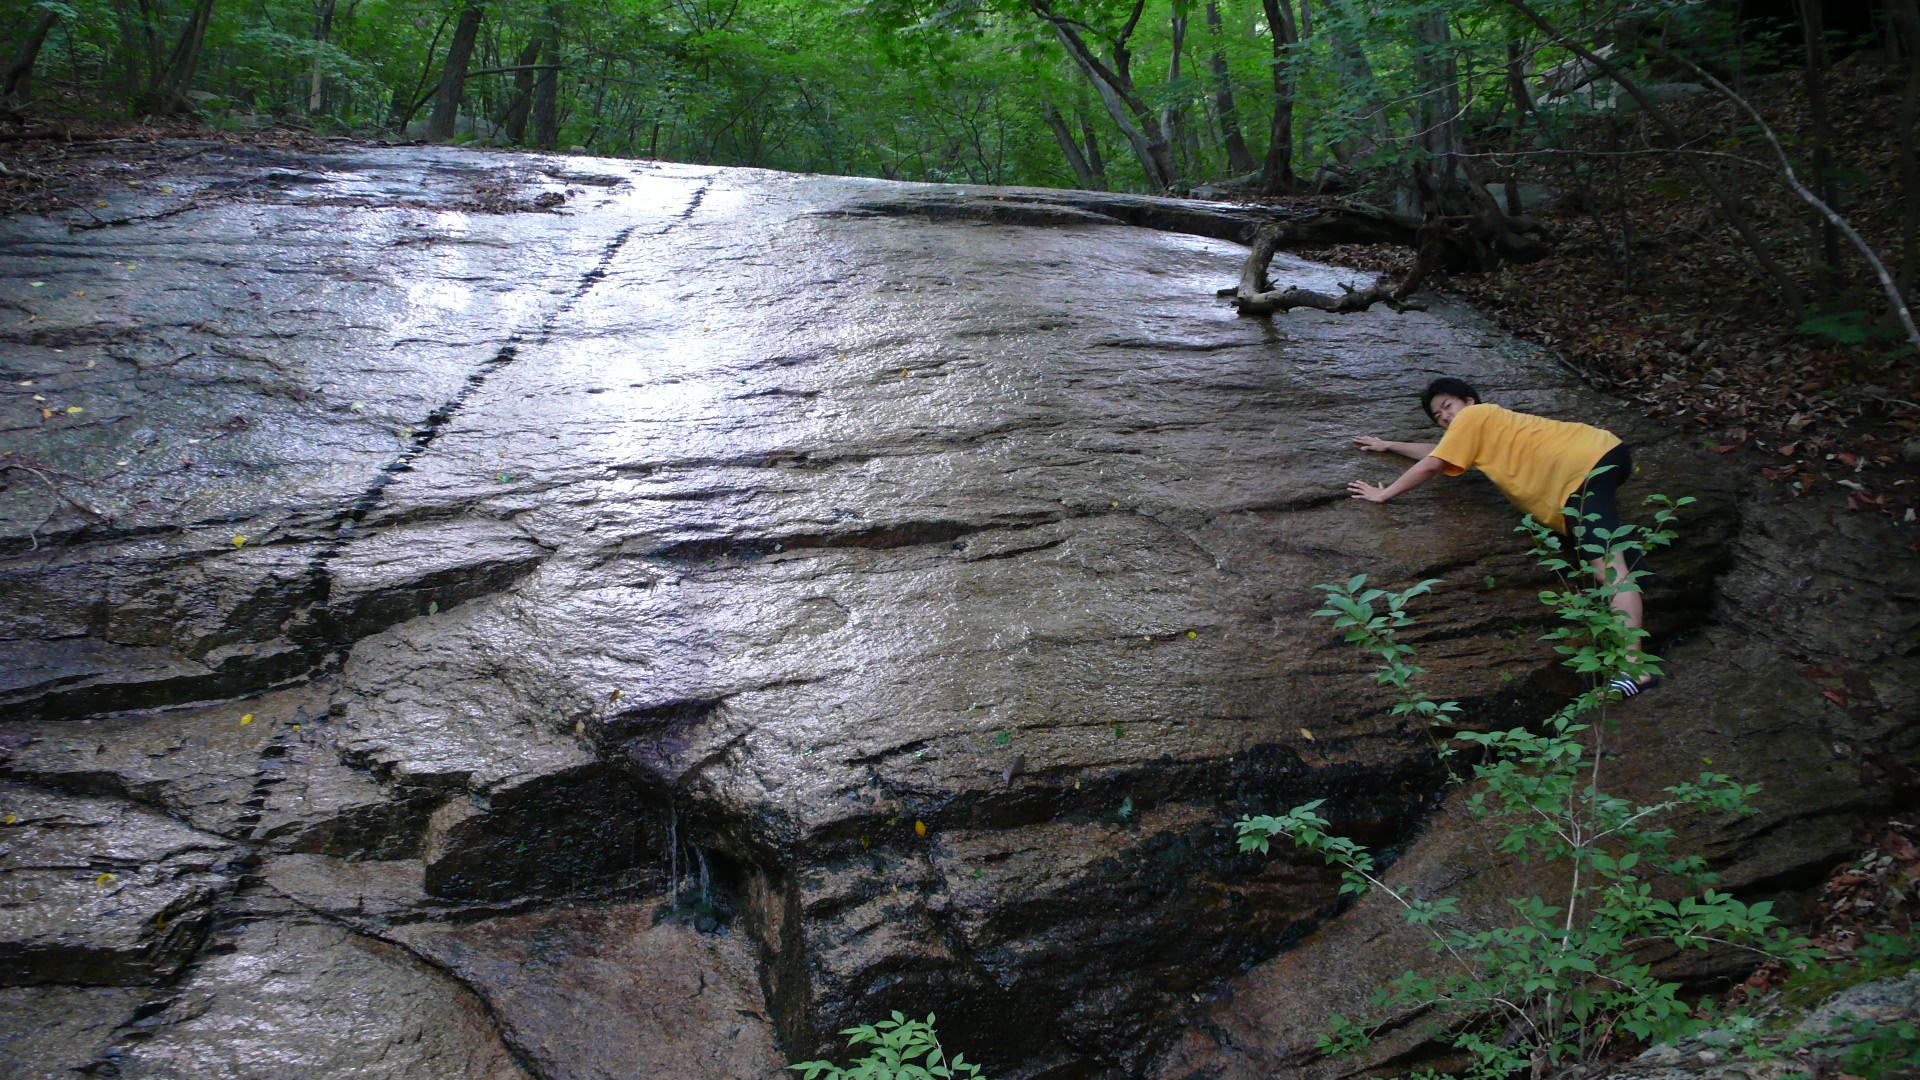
(1595,505)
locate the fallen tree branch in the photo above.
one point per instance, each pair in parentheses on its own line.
(1350,300)
(1477,241)
(1255,294)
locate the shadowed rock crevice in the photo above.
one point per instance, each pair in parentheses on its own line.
(877,538)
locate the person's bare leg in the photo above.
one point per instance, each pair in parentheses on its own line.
(1628,602)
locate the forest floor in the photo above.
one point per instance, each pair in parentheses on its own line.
(1648,295)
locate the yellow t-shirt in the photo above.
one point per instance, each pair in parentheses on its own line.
(1534,461)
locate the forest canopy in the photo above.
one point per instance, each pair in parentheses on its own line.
(1121,94)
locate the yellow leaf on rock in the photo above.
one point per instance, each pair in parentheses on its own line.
(46,414)
(12,820)
(1308,734)
(103,879)
(1191,634)
(247,719)
(920,828)
(74,409)
(239,541)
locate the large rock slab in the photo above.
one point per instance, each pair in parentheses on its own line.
(607,993)
(302,999)
(99,892)
(910,580)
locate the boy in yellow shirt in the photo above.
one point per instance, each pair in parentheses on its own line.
(1544,466)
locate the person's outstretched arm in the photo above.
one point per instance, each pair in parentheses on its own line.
(1415,450)
(1422,471)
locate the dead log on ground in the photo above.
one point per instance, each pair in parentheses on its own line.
(1464,242)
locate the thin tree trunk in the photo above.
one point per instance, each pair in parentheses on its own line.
(546,89)
(20,70)
(1826,254)
(316,81)
(404,107)
(1357,74)
(168,94)
(513,119)
(1523,110)
(453,74)
(1091,138)
(1439,179)
(1239,160)
(1906,15)
(128,56)
(153,53)
(1077,161)
(1131,115)
(1277,178)
(1172,120)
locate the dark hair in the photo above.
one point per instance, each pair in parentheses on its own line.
(1447,384)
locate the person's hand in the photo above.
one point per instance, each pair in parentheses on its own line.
(1373,493)
(1369,442)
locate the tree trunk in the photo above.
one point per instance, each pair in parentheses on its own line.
(1172,120)
(1077,161)
(1091,138)
(1906,15)
(128,57)
(453,74)
(1357,75)
(317,82)
(1826,250)
(1130,114)
(1523,110)
(1239,160)
(20,69)
(546,89)
(1440,183)
(513,118)
(168,94)
(1277,178)
(405,104)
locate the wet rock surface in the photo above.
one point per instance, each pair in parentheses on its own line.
(644,637)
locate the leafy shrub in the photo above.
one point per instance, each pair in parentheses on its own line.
(1566,974)
(903,1049)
